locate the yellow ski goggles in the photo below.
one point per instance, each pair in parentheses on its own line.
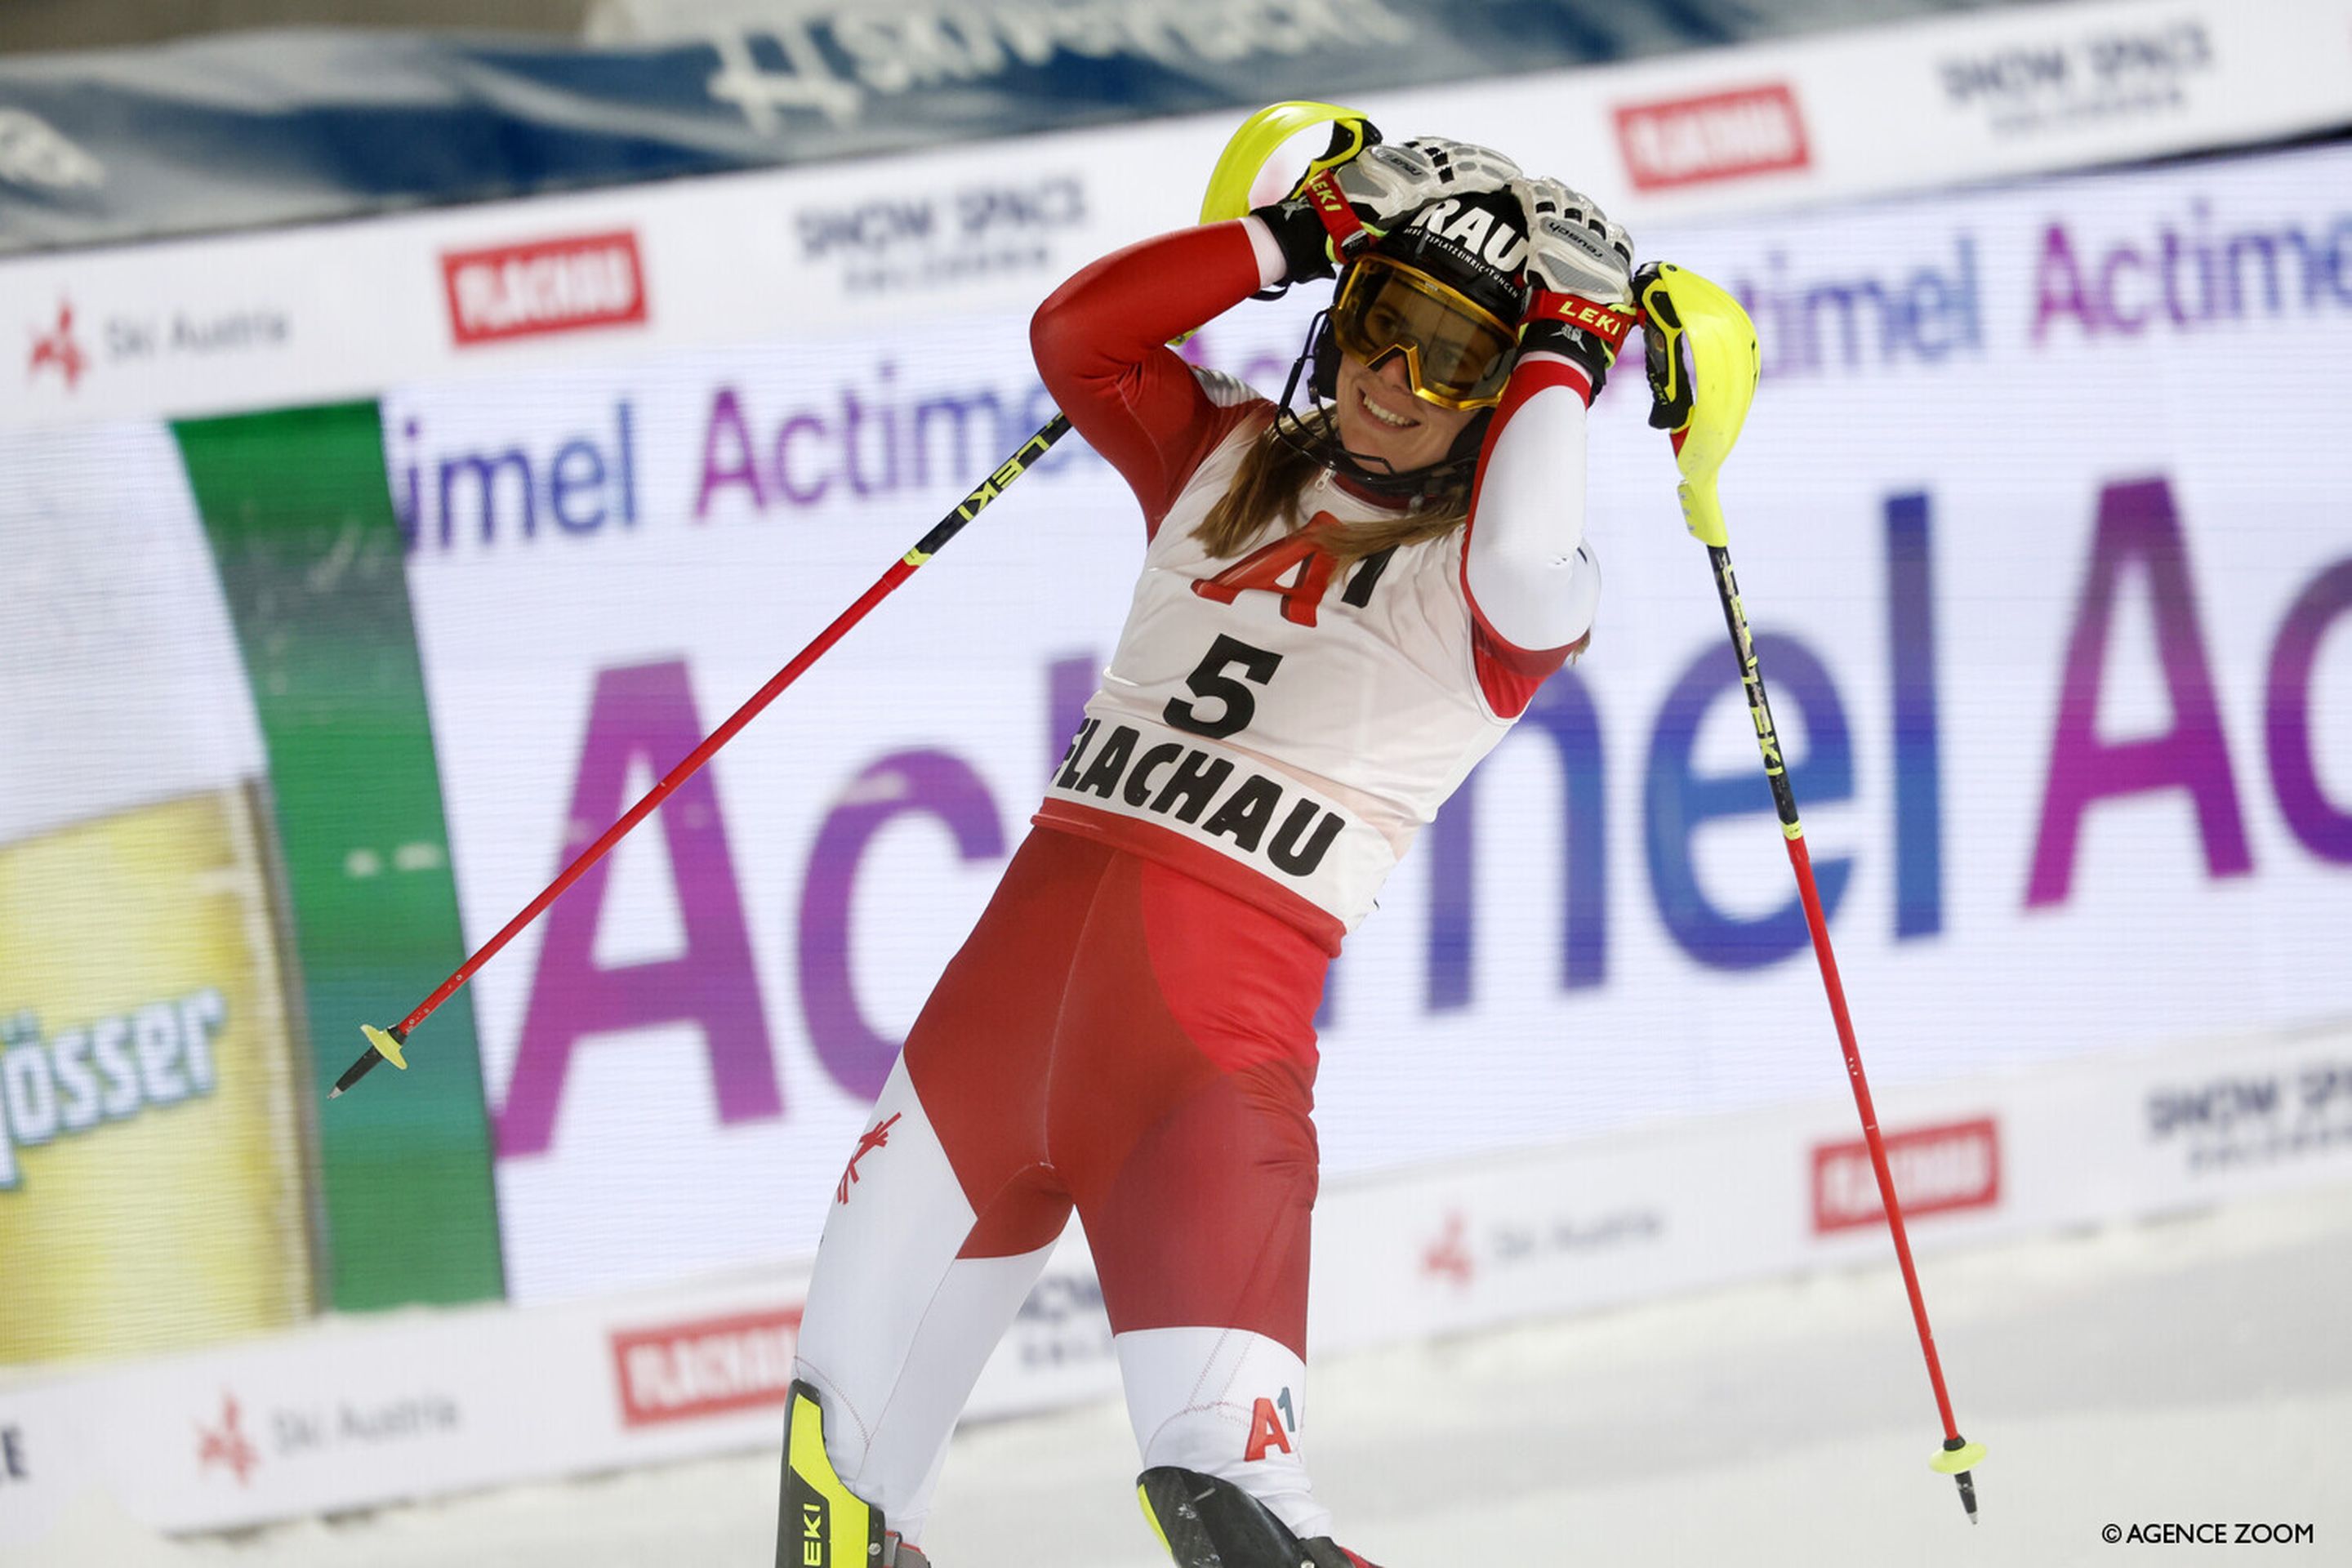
(1457,353)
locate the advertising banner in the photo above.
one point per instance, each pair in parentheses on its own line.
(979,220)
(1698,107)
(374,1410)
(2052,624)
(150,1152)
(297,514)
(153,1157)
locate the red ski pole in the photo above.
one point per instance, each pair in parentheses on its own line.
(1702,367)
(383,1045)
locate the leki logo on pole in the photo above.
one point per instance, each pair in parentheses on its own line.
(227,1447)
(59,349)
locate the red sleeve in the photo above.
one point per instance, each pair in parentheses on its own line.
(1101,345)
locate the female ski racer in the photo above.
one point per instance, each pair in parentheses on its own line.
(1342,610)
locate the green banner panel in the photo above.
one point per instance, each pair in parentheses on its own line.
(301,525)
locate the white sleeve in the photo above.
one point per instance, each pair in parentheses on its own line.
(1524,563)
(1271,267)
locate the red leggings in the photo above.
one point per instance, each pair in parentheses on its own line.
(1117,1034)
(1119,1037)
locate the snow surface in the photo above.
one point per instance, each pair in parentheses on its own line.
(2194,1370)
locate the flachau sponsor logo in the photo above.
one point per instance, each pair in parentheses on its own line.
(545,286)
(2252,1119)
(2023,89)
(1937,1169)
(238,1441)
(1730,135)
(920,239)
(16,1463)
(679,1371)
(95,1075)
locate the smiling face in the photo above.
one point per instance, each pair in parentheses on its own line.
(1381,422)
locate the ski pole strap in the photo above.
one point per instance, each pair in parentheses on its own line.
(1603,321)
(1347,232)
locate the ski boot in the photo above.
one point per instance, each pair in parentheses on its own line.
(1205,1523)
(820,1523)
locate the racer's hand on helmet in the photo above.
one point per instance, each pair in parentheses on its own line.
(1388,183)
(1371,193)
(1581,263)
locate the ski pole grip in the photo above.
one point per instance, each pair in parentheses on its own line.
(1261,135)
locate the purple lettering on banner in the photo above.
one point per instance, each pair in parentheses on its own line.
(851,1050)
(578,469)
(2111,303)
(2139,524)
(644,711)
(1068,683)
(2058,286)
(796,494)
(1563,713)
(1911,692)
(727,422)
(2323,826)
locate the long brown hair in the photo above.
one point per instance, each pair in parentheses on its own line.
(1267,489)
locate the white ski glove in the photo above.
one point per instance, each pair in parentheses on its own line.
(1581,264)
(1363,198)
(1388,183)
(1573,247)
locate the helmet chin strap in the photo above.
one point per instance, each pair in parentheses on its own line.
(1417,488)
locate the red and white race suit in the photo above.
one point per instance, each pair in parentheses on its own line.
(1128,1031)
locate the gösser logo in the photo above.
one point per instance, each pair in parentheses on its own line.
(1721,136)
(680,1371)
(1935,1169)
(548,286)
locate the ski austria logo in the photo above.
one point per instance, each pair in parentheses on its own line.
(227,1445)
(57,349)
(1448,1258)
(1721,136)
(1936,1170)
(679,1371)
(547,285)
